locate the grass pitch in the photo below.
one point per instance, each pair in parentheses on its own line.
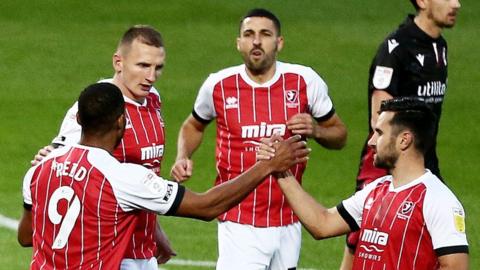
(50,50)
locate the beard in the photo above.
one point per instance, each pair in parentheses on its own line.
(388,159)
(261,66)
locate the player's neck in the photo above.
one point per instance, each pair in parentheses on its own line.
(105,142)
(407,169)
(263,76)
(427,25)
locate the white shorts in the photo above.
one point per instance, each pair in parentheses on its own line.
(139,264)
(245,247)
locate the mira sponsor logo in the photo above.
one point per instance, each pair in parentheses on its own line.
(263,130)
(375,237)
(150,152)
(435,88)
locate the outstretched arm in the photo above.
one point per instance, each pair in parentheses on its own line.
(189,138)
(208,205)
(319,221)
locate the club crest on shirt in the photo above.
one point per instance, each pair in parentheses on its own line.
(291,97)
(405,211)
(459,219)
(231,103)
(382,77)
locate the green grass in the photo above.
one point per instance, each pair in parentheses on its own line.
(50,50)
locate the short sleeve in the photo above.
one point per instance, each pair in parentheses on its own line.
(386,67)
(136,187)
(351,209)
(70,130)
(145,190)
(27,180)
(445,220)
(204,109)
(320,104)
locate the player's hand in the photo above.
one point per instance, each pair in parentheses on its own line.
(302,124)
(42,153)
(182,170)
(164,249)
(288,152)
(265,150)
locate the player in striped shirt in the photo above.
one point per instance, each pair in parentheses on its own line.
(138,63)
(248,102)
(80,201)
(407,220)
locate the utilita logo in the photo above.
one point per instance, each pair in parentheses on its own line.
(435,88)
(263,130)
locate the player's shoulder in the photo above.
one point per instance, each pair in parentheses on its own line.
(295,68)
(111,168)
(436,188)
(214,78)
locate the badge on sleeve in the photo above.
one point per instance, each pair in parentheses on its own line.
(382,77)
(459,219)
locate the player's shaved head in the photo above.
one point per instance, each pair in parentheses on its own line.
(99,107)
(142,33)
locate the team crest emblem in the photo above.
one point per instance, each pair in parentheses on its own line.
(231,103)
(291,98)
(405,210)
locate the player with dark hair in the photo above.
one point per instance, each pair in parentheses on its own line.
(80,201)
(411,61)
(251,101)
(138,62)
(406,220)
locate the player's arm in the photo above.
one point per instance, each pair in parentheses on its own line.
(164,248)
(319,221)
(457,261)
(377,97)
(25,232)
(189,138)
(217,200)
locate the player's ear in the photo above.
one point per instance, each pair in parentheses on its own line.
(117,62)
(280,42)
(78,119)
(238,43)
(406,140)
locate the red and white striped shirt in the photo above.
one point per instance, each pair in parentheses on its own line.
(143,143)
(245,112)
(82,200)
(406,227)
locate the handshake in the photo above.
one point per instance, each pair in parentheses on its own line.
(282,154)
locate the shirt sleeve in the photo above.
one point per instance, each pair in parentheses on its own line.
(26,192)
(70,130)
(319,103)
(445,220)
(386,67)
(136,187)
(351,209)
(143,189)
(204,109)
